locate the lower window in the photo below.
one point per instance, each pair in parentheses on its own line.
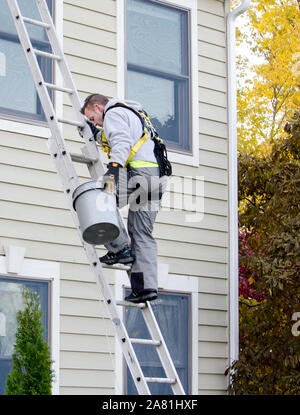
(172,314)
(10,303)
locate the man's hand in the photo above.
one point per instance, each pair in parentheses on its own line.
(112,177)
(94,130)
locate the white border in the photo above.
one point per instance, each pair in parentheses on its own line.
(41,270)
(31,127)
(176,157)
(170,283)
(233,178)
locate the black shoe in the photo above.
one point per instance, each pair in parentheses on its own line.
(122,257)
(141,296)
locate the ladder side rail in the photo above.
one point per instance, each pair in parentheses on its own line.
(162,350)
(90,150)
(62,165)
(66,171)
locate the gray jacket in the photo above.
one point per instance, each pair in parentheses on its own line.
(122,129)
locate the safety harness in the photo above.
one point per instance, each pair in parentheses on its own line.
(149,131)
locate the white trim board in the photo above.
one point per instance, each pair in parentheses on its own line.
(14,264)
(170,283)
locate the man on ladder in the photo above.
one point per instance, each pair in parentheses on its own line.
(145,272)
(134,171)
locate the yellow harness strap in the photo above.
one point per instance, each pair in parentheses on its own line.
(137,146)
(133,151)
(105,145)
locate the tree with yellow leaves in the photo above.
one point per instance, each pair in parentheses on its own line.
(268,86)
(269,198)
(269,269)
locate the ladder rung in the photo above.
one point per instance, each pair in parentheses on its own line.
(129,304)
(71,122)
(160,380)
(47,55)
(117,266)
(79,158)
(149,342)
(36,22)
(59,88)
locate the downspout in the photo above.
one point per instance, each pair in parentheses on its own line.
(233,182)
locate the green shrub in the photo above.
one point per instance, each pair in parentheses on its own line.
(31,373)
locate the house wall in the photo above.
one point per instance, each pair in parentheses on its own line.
(33,211)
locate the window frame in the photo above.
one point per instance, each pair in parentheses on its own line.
(14,266)
(182,80)
(168,284)
(184,122)
(36,127)
(19,279)
(158,363)
(175,155)
(47,70)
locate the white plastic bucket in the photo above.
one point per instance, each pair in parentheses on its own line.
(97,213)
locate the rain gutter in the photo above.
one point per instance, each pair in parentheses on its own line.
(233,181)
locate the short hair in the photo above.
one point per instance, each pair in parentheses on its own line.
(94,99)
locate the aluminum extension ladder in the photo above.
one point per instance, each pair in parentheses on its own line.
(90,156)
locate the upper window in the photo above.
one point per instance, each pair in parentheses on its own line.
(11,302)
(18,95)
(158,67)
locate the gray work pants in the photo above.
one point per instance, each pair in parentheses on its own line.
(140,183)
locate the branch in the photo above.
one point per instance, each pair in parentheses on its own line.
(284,98)
(249,305)
(254,204)
(279,124)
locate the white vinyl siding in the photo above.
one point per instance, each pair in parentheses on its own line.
(33,211)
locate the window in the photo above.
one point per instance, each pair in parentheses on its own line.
(176,311)
(42,277)
(10,303)
(158,67)
(18,96)
(172,313)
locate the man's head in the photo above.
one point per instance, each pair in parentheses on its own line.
(93,108)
